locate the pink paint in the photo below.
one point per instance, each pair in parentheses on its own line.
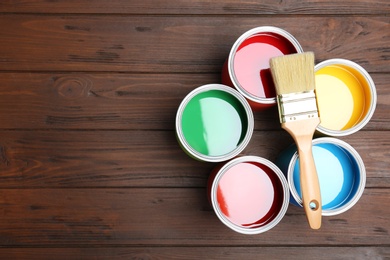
(250,194)
(251,62)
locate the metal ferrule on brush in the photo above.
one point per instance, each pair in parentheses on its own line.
(297,106)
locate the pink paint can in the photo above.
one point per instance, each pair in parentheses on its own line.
(249,194)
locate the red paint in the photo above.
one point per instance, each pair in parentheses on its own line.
(250,194)
(251,62)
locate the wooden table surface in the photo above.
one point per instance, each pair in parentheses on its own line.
(89,163)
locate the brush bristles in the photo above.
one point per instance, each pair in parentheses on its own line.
(293,73)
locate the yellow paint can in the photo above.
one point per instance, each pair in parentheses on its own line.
(346,97)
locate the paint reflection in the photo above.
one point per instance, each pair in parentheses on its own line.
(214,123)
(336,174)
(249,195)
(222,126)
(341,98)
(251,62)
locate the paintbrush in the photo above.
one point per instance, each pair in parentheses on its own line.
(294,80)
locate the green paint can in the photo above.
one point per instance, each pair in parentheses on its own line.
(214,123)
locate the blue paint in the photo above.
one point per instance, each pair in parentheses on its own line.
(338,174)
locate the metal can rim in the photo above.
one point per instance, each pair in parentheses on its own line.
(248,113)
(279,174)
(359,162)
(371,85)
(266,29)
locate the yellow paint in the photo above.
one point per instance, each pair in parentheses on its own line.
(343,97)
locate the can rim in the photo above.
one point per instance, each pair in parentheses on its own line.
(359,162)
(248,112)
(277,218)
(266,29)
(371,85)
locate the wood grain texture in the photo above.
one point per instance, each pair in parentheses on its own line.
(195,253)
(142,158)
(89,164)
(198,7)
(191,44)
(104,217)
(123,101)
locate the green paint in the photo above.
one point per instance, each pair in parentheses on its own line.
(214,123)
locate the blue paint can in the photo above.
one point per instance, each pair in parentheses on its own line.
(340,170)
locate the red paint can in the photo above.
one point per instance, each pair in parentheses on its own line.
(249,194)
(247,67)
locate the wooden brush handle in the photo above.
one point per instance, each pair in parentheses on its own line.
(310,188)
(302,132)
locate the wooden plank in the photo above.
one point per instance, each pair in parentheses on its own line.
(49,159)
(198,7)
(122,101)
(97,159)
(169,217)
(94,101)
(89,164)
(195,253)
(194,44)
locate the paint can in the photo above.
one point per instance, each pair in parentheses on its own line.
(214,123)
(249,194)
(340,170)
(346,97)
(247,67)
